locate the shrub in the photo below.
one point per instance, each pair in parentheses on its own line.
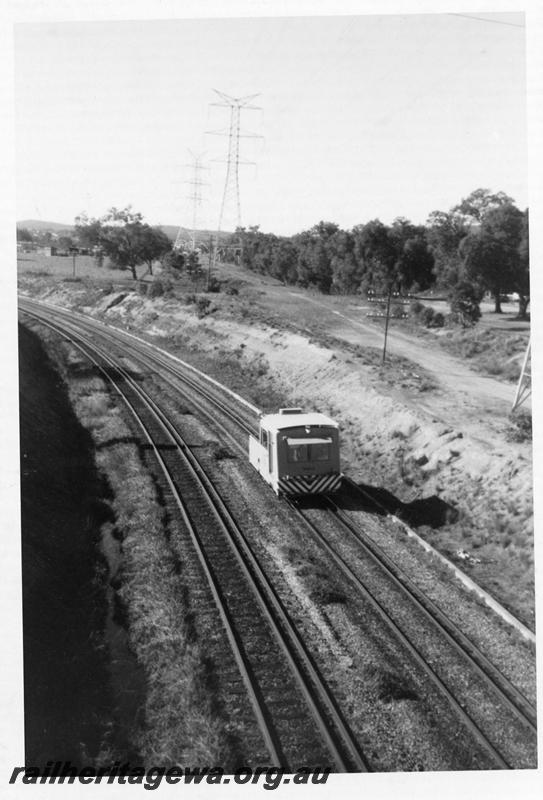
(492,364)
(427,316)
(464,300)
(160,287)
(417,308)
(202,306)
(213,285)
(520,426)
(155,289)
(174,261)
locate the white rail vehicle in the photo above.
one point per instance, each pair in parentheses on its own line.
(297,453)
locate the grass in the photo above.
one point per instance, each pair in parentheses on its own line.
(492,521)
(321,587)
(388,686)
(496,531)
(181,724)
(492,352)
(62,267)
(397,370)
(248,377)
(519,426)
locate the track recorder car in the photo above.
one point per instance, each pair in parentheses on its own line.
(297,453)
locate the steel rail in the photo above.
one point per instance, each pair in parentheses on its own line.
(468,582)
(265,594)
(513,698)
(253,692)
(205,385)
(417,657)
(511,695)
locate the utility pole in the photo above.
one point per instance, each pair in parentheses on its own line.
(209,258)
(399,312)
(386,324)
(231,195)
(196,198)
(74,253)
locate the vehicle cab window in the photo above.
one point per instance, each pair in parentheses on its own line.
(297,453)
(320,452)
(263,437)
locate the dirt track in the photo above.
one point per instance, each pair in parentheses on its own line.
(450,372)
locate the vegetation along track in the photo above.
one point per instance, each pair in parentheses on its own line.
(452,663)
(500,701)
(297,716)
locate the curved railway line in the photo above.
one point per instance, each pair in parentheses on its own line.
(269,698)
(278,672)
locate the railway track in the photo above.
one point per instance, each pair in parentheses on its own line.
(297,716)
(506,696)
(512,696)
(506,704)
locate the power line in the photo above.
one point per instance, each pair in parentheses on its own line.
(485,19)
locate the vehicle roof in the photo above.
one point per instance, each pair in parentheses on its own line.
(278,422)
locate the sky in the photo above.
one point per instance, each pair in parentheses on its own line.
(360,116)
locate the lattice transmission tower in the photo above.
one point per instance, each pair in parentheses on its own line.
(186,238)
(231,195)
(524,385)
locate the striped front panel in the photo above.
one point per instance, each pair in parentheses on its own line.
(314,484)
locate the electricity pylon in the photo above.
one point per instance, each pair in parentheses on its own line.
(524,386)
(195,197)
(231,196)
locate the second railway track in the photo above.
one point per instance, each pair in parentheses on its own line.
(297,716)
(236,418)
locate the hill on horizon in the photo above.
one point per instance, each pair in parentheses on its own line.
(55,227)
(43,225)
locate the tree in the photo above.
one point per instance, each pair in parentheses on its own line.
(315,251)
(347,270)
(174,261)
(120,238)
(154,244)
(522,275)
(464,299)
(414,261)
(491,254)
(283,261)
(378,250)
(444,233)
(87,231)
(24,235)
(476,206)
(193,266)
(122,235)
(65,243)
